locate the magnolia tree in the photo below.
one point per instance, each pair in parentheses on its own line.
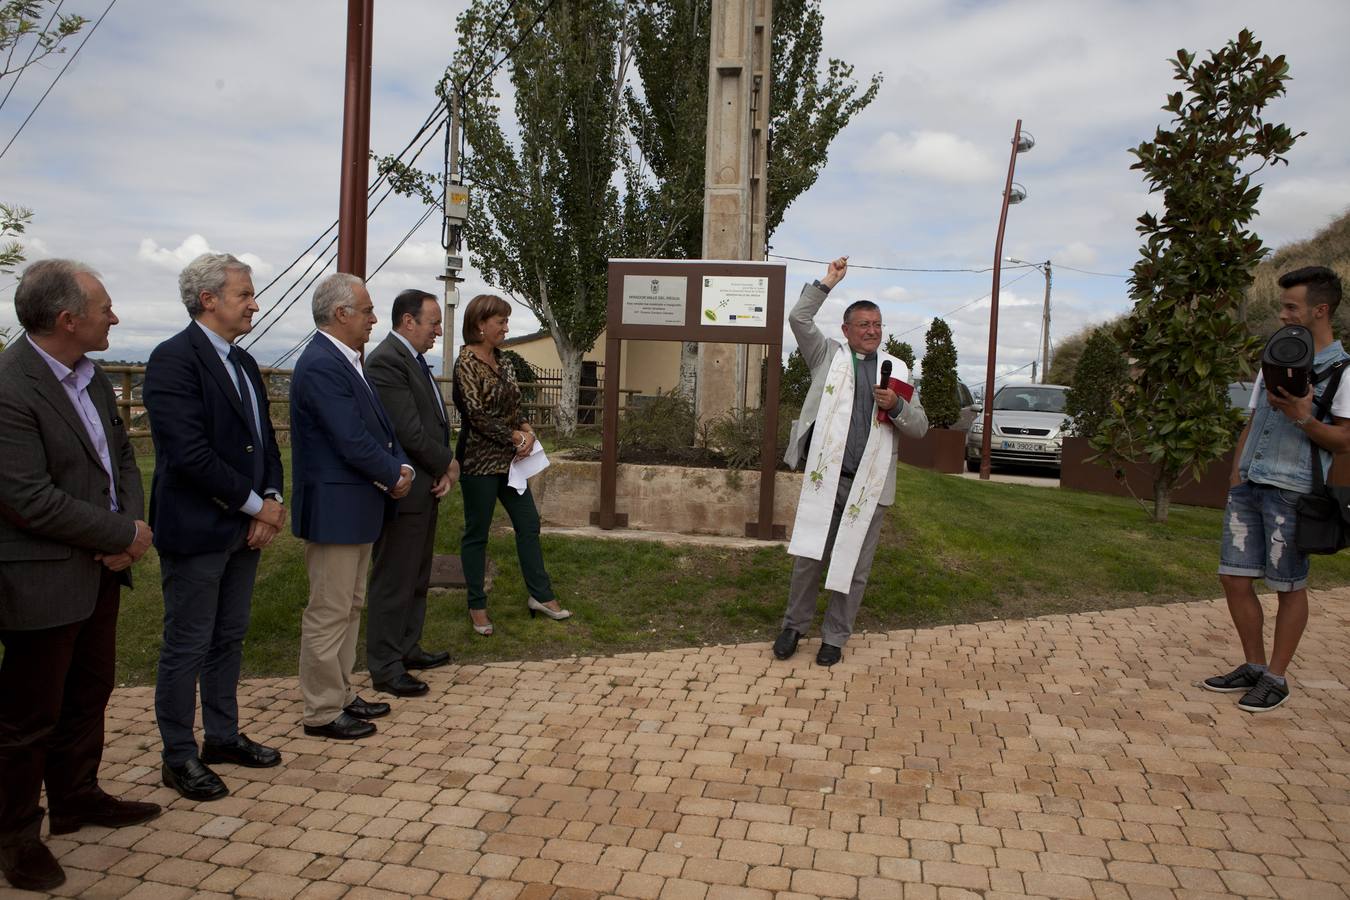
(1185,336)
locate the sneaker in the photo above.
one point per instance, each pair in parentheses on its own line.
(1267,695)
(1243,678)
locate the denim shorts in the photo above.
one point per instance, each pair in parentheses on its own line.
(1258,536)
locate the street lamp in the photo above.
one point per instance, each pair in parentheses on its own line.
(1045,317)
(1012,193)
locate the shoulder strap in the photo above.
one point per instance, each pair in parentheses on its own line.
(1321,408)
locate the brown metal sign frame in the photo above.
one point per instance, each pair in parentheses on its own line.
(770,335)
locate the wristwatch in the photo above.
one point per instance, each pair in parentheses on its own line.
(1299,423)
(273,495)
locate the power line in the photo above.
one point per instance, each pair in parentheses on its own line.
(37,42)
(282,299)
(963,305)
(111,4)
(487,76)
(397,247)
(1086,272)
(853,265)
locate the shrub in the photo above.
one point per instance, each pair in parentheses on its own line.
(939,377)
(1100,374)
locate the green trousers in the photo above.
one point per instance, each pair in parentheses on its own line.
(481,493)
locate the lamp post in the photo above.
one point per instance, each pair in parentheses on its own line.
(1012,193)
(1045,316)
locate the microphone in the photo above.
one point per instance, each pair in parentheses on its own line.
(885,374)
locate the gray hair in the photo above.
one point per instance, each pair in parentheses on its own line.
(207,273)
(47,289)
(337,291)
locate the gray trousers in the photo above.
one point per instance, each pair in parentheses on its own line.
(806,574)
(396,602)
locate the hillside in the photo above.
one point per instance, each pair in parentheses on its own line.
(1329,247)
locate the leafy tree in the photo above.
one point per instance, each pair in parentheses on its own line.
(1069,351)
(1097,380)
(547,215)
(940,389)
(808,106)
(796,380)
(900,350)
(1185,333)
(22,24)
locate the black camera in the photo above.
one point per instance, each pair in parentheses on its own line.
(1287,361)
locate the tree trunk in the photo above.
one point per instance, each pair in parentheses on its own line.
(688,370)
(571,387)
(1162,495)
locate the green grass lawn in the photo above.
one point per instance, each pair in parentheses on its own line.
(953,550)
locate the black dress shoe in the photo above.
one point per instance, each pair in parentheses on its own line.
(103,809)
(242,752)
(424,660)
(30,866)
(194,780)
(828,654)
(786,645)
(404,685)
(343,728)
(360,709)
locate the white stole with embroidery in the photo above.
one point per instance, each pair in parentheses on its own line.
(824,462)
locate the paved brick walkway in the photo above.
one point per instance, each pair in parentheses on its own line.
(1067,756)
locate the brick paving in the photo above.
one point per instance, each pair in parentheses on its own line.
(1064,756)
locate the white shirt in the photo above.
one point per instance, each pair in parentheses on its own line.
(351,356)
(75,382)
(253,504)
(435,388)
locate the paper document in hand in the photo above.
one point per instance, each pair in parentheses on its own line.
(523,469)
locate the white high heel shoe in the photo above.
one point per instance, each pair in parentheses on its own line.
(535,606)
(484,630)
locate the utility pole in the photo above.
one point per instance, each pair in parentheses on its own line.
(455,205)
(738,105)
(1045,329)
(353,198)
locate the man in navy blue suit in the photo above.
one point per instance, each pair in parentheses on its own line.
(215,503)
(348,469)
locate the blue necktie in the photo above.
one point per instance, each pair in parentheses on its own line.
(245,395)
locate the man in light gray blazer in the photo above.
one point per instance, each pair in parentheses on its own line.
(71,525)
(400,571)
(862,333)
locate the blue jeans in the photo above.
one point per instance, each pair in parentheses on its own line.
(1258,537)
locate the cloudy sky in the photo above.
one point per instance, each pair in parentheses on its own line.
(193,125)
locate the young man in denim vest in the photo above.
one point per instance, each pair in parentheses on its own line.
(1273,468)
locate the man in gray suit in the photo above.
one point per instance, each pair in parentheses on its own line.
(71,525)
(401,570)
(848,436)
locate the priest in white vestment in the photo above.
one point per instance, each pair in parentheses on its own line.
(847,439)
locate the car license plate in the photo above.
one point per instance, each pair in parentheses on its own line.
(1027,446)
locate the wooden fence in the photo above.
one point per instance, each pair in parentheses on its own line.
(539,399)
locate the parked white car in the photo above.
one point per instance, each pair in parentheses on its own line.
(1029,425)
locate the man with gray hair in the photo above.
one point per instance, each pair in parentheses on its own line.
(215,503)
(348,469)
(71,508)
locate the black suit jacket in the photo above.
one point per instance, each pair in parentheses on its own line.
(54,510)
(412,405)
(204,449)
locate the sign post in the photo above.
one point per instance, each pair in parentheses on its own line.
(702,301)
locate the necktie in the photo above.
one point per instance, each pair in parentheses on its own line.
(246,395)
(436,389)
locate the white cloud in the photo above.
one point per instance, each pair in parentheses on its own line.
(193,246)
(928,154)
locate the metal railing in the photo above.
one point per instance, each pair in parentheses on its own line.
(539,399)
